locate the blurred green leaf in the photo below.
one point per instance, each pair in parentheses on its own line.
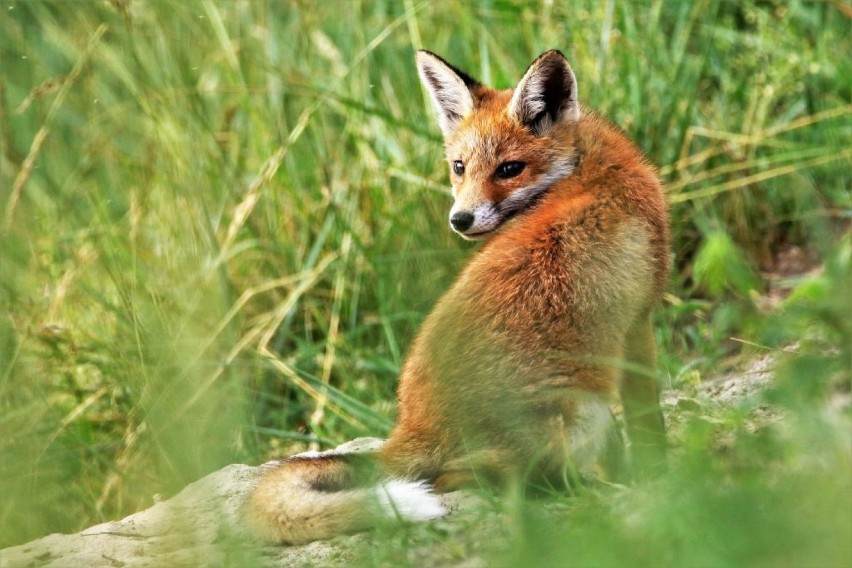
(721,266)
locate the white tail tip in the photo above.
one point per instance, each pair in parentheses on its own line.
(410,500)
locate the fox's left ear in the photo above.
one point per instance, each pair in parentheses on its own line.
(547,94)
(449,88)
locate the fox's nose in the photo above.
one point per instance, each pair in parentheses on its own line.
(461,221)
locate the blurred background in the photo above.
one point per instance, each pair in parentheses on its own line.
(222,223)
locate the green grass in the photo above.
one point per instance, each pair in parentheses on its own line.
(223,222)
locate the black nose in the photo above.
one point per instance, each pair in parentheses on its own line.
(461,221)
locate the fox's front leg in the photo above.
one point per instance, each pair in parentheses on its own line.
(640,397)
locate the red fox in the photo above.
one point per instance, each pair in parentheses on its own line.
(514,373)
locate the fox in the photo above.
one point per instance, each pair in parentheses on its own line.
(515,374)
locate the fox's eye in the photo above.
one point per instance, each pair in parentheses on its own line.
(458,167)
(508,170)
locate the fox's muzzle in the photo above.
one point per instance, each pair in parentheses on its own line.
(477,222)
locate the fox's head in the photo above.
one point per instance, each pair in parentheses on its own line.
(504,148)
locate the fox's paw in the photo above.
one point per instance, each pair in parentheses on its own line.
(410,501)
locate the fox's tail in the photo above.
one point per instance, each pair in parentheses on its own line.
(317,495)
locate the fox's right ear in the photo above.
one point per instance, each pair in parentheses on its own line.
(449,88)
(546,94)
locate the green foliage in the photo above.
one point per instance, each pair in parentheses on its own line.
(816,318)
(224,221)
(720,266)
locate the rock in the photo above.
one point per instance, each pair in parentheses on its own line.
(175,532)
(200,526)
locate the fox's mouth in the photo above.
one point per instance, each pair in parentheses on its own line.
(478,235)
(504,214)
(488,218)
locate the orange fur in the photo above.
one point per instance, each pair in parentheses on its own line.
(510,372)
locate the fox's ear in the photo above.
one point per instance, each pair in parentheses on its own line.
(547,94)
(448,87)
